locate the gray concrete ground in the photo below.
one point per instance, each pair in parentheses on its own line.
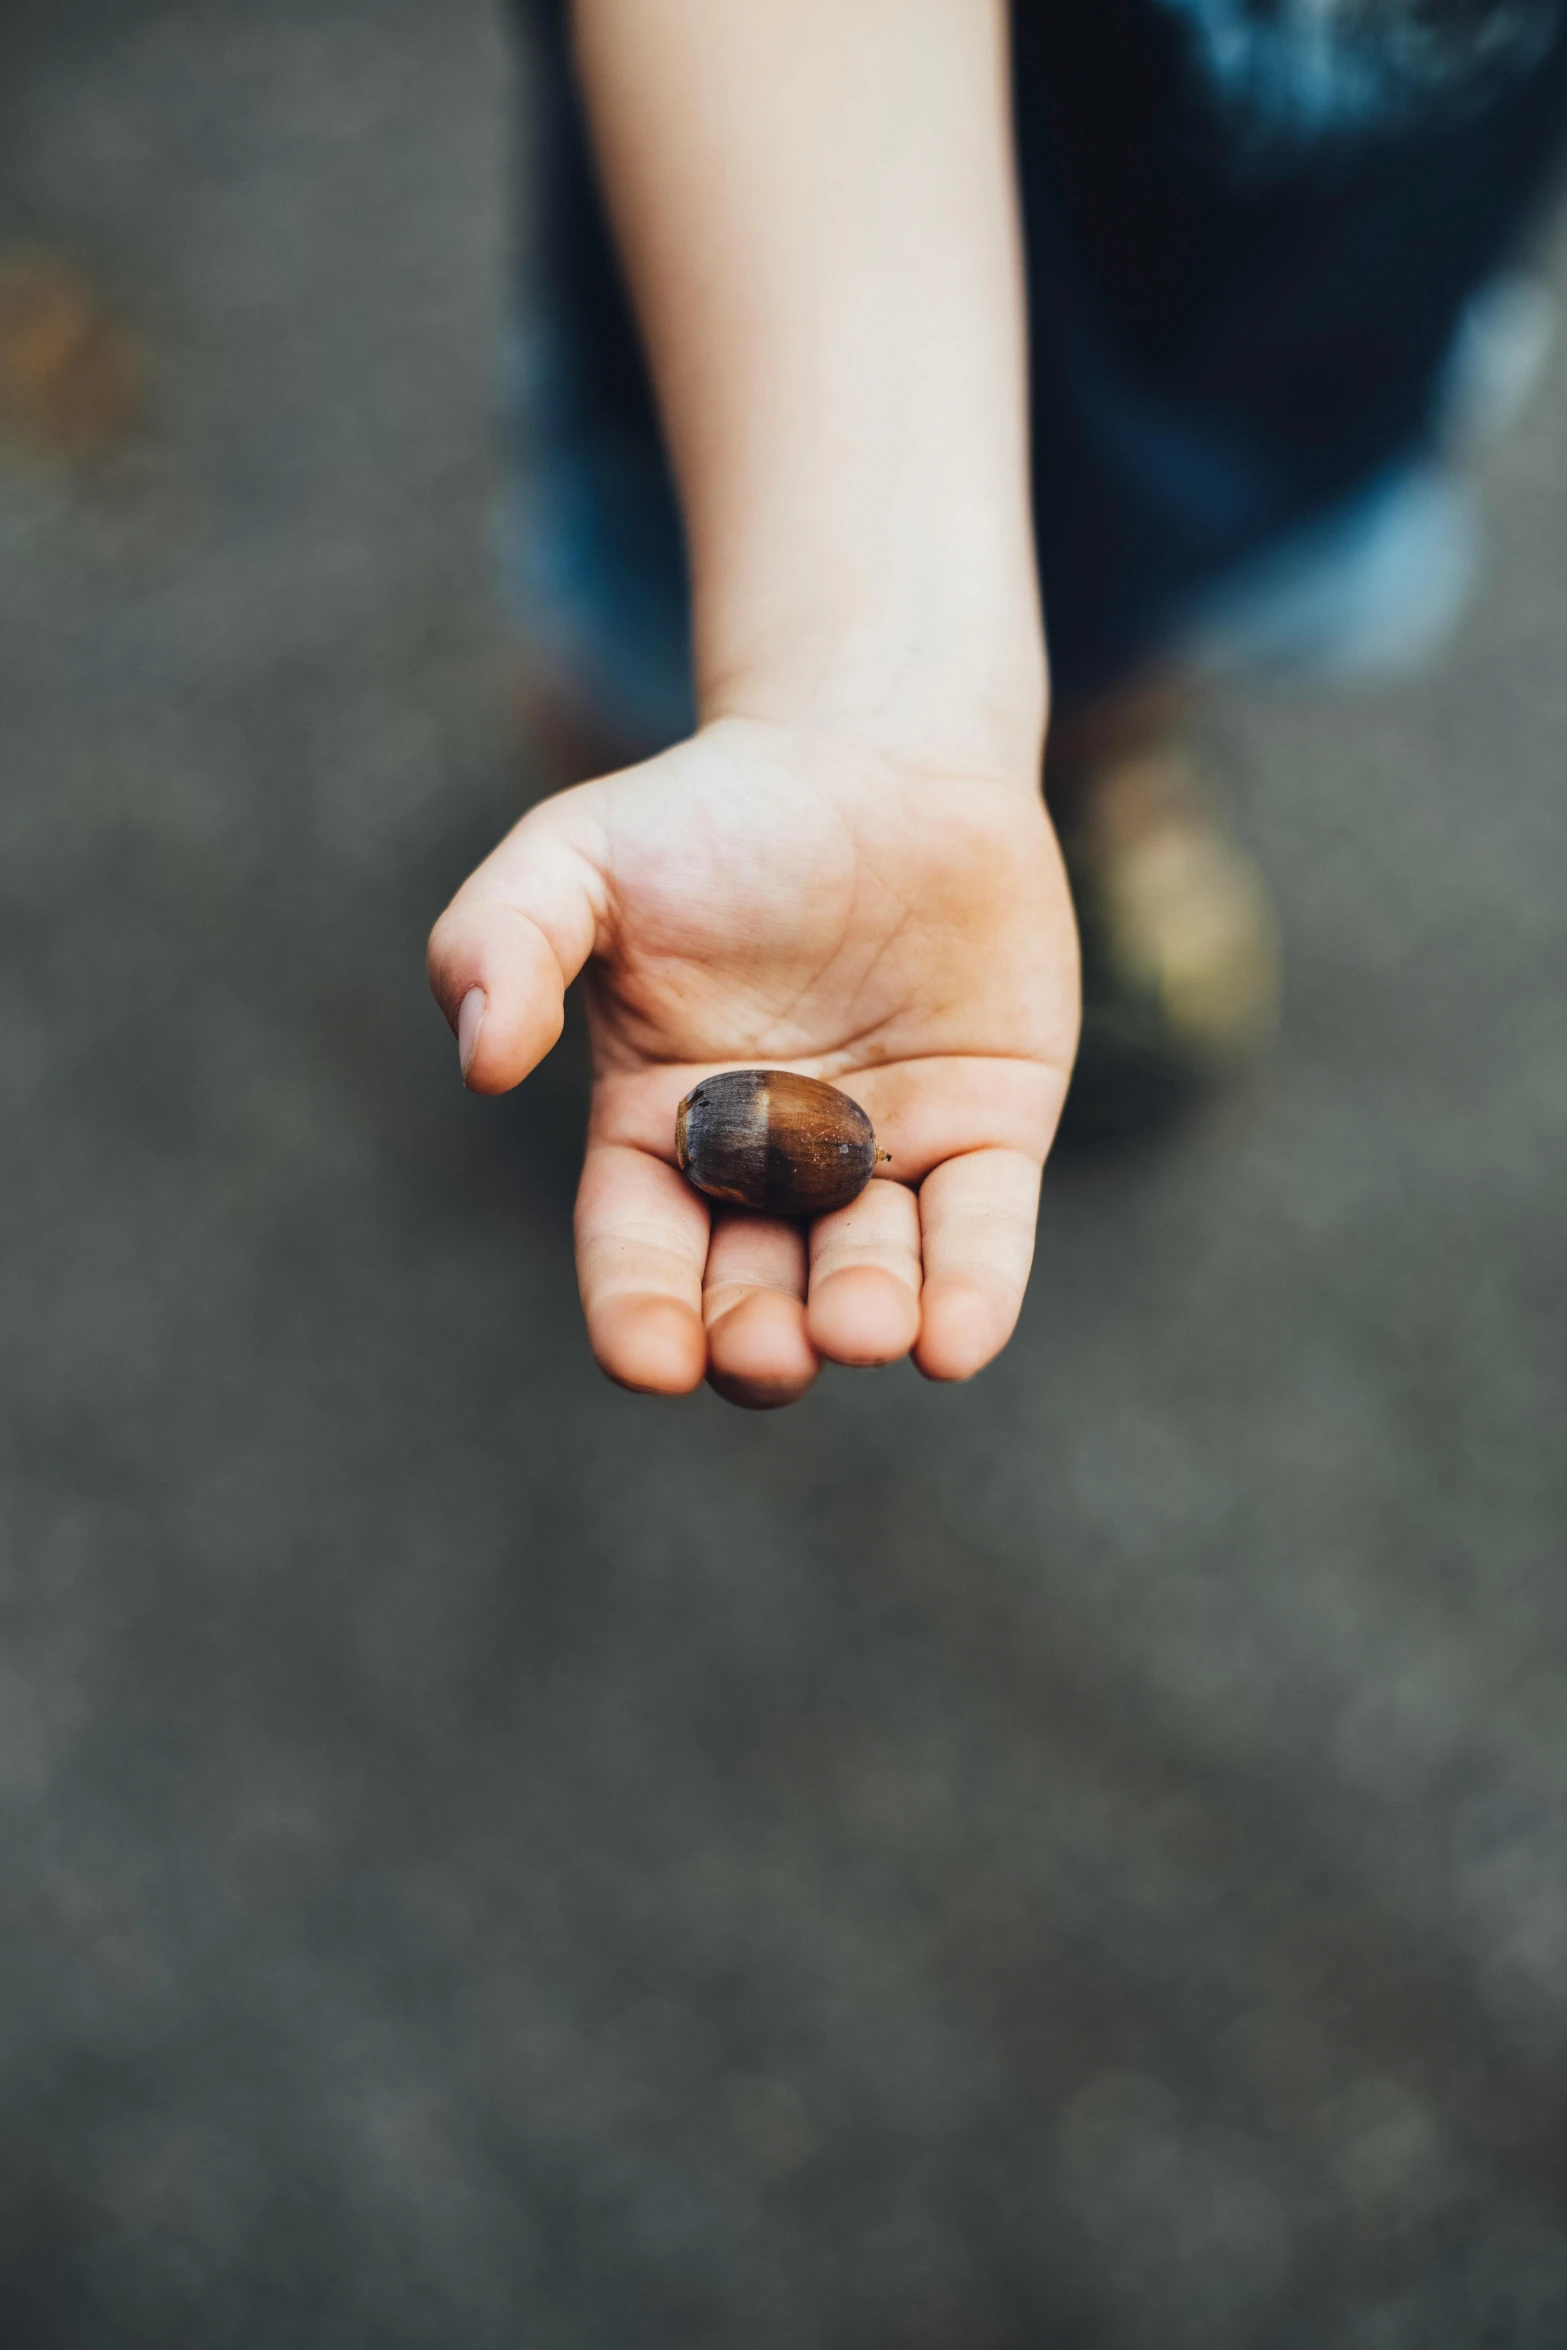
(485,1860)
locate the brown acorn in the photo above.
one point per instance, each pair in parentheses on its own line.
(763,1138)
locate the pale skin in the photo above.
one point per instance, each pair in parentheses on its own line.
(847,870)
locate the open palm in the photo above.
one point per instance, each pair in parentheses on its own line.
(767,897)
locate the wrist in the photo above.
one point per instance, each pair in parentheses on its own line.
(971,697)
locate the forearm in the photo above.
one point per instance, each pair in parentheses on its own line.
(814,201)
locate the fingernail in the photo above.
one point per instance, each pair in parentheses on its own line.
(470,1019)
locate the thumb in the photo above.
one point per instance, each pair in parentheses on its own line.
(513,939)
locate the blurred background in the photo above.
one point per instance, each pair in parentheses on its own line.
(488,1860)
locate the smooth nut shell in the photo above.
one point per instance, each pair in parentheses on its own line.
(764,1138)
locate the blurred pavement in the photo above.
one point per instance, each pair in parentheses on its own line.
(484,1860)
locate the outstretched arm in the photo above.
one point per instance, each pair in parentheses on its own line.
(848,869)
(814,202)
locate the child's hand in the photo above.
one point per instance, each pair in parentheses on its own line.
(766,897)
(816,210)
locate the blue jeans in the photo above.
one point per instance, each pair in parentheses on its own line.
(1247,278)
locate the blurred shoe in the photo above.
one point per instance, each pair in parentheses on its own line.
(1179,940)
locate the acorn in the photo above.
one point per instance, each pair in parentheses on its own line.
(763,1138)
